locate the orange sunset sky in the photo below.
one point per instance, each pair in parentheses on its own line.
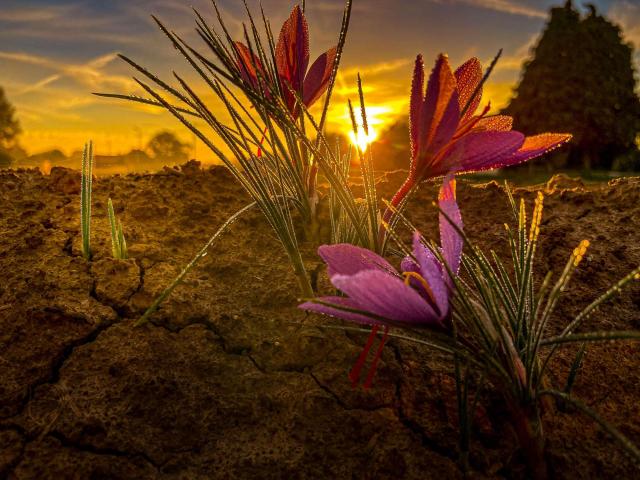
(53,54)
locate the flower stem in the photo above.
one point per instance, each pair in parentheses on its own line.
(312,184)
(397,199)
(528,429)
(305,285)
(300,271)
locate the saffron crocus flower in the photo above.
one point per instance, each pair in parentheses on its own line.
(377,294)
(292,60)
(449,136)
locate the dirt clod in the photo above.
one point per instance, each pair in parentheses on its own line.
(65,180)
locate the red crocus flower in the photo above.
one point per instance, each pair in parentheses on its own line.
(448,136)
(292,60)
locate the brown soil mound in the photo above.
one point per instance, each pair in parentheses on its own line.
(231,380)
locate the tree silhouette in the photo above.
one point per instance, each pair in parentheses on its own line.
(167,147)
(9,125)
(9,129)
(580,80)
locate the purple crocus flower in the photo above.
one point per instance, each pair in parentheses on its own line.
(292,60)
(379,295)
(450,135)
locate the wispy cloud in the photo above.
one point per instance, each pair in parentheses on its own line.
(67,22)
(89,74)
(41,13)
(26,58)
(377,68)
(512,7)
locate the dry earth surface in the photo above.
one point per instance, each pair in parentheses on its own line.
(230,380)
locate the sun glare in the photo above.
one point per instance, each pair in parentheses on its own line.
(375,115)
(361,139)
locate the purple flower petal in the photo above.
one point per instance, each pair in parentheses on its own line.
(347,259)
(538,145)
(292,56)
(408,265)
(416,103)
(387,296)
(440,90)
(431,271)
(447,127)
(337,312)
(248,64)
(480,151)
(450,240)
(468,77)
(499,123)
(292,51)
(317,79)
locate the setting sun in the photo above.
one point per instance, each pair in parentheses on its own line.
(362,139)
(377,117)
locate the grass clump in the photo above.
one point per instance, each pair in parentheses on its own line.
(270,143)
(497,325)
(505,340)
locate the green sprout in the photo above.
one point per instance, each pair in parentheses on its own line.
(86,183)
(118,243)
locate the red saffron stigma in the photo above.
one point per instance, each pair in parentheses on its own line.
(354,374)
(374,364)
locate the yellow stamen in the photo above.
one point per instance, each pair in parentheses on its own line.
(537,218)
(579,252)
(407,281)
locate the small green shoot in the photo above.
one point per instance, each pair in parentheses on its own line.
(86,183)
(118,243)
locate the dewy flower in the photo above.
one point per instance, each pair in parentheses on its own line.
(379,295)
(292,60)
(447,136)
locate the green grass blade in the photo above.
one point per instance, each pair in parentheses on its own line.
(115,251)
(199,256)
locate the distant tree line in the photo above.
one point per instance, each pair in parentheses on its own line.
(165,146)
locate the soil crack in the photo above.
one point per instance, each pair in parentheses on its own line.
(412,425)
(342,403)
(89,448)
(54,373)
